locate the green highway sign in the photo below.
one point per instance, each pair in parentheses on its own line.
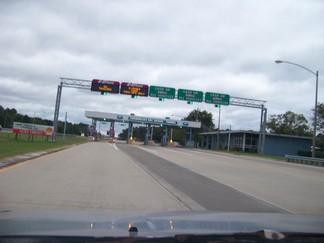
(162,92)
(190,95)
(215,98)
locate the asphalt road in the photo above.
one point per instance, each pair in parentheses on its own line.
(92,176)
(102,176)
(294,188)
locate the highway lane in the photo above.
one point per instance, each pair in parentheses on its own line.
(208,193)
(102,176)
(295,188)
(92,176)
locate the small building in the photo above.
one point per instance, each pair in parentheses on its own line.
(248,141)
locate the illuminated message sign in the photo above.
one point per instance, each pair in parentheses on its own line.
(134,89)
(105,86)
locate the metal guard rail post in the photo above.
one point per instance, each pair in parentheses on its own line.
(305,160)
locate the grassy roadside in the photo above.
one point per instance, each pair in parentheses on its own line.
(9,146)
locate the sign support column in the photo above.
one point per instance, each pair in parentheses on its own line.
(146,135)
(64,126)
(218,132)
(57,109)
(130,127)
(264,130)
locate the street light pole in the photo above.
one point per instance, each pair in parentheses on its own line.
(316,95)
(218,130)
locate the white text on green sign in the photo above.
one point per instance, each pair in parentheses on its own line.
(190,95)
(215,98)
(162,92)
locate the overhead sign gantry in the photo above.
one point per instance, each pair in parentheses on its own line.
(115,87)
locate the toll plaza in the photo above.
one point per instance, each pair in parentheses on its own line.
(149,122)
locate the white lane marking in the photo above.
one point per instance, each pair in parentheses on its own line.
(148,150)
(197,152)
(175,151)
(113,146)
(181,152)
(211,154)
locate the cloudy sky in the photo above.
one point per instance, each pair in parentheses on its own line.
(208,45)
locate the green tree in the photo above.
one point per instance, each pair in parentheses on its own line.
(140,132)
(123,134)
(320,118)
(179,135)
(8,117)
(289,123)
(2,116)
(206,119)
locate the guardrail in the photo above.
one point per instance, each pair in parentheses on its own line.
(305,160)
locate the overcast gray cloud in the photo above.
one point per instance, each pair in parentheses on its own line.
(218,46)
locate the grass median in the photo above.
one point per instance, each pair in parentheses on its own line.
(10,146)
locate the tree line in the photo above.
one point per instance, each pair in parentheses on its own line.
(296,124)
(9,116)
(288,123)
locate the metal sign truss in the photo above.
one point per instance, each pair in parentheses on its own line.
(236,101)
(252,103)
(76,83)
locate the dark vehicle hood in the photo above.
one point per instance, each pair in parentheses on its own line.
(156,224)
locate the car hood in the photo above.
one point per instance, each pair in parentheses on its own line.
(153,224)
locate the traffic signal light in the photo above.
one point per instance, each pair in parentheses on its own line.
(103,93)
(189,102)
(134,96)
(217,106)
(161,99)
(161,125)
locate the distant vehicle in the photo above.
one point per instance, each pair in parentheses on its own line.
(111,140)
(177,144)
